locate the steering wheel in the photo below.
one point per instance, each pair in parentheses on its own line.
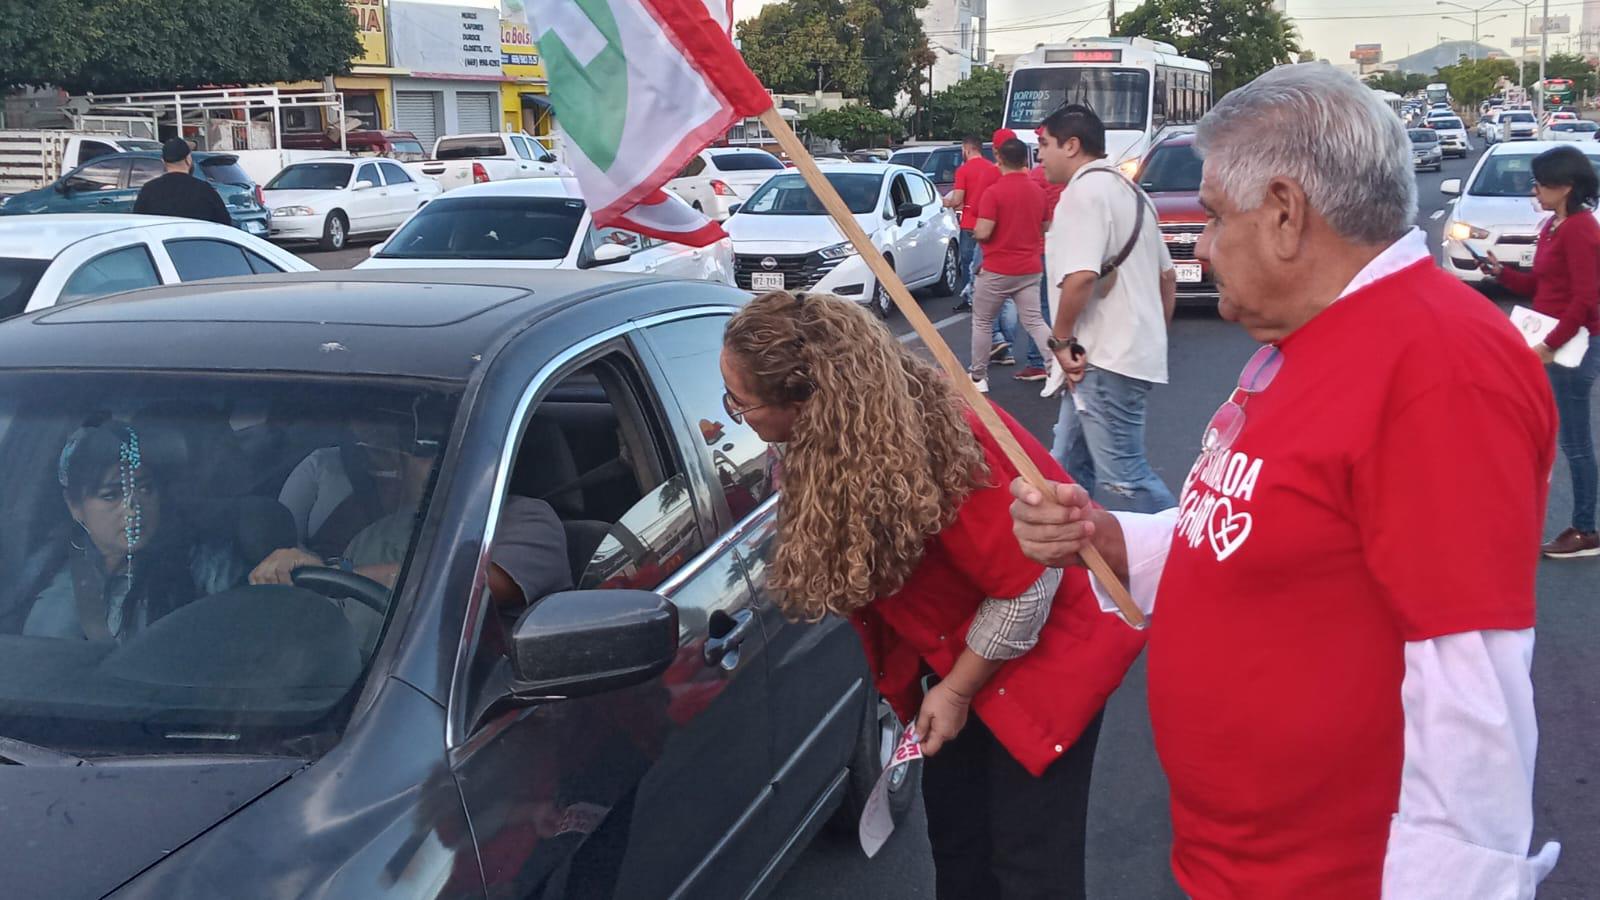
(338,584)
(557,244)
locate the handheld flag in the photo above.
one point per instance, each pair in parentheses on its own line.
(639,87)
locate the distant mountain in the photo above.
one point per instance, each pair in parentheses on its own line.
(1431,60)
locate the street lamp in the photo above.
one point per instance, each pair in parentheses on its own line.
(1477,12)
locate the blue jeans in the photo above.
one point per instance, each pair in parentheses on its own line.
(1104,444)
(969,258)
(1572,388)
(1006,324)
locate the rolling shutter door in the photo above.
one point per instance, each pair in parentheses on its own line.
(418,113)
(475,112)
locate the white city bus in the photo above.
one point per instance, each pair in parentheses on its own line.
(1139,88)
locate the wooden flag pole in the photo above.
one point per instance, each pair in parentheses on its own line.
(909,307)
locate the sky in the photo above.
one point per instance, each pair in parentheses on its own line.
(1328,27)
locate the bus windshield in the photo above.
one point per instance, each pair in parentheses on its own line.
(1121,97)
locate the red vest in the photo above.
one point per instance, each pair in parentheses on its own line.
(1038,703)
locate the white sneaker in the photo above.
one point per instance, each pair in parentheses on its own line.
(1056,381)
(982,384)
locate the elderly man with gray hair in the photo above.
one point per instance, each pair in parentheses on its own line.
(1342,602)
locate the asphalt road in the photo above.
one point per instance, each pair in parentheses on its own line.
(1130,834)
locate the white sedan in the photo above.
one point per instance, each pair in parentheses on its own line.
(784,239)
(1497,211)
(52,258)
(537,223)
(330,200)
(1570,130)
(722,177)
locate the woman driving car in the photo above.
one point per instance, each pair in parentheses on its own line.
(123,560)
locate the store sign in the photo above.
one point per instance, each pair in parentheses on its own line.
(369,27)
(519,58)
(1367,53)
(449,41)
(1551,25)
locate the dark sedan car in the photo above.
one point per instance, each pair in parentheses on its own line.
(255,634)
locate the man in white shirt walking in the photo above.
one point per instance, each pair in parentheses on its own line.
(1116,291)
(1342,603)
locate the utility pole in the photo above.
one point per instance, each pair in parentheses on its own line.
(1111,18)
(1544,50)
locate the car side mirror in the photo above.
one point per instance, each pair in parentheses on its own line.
(609,255)
(908,211)
(578,643)
(1450,187)
(364,186)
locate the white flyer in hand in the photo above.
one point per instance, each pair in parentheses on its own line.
(877,822)
(1535,325)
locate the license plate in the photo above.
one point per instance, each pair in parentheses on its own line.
(1188,273)
(255,228)
(766,281)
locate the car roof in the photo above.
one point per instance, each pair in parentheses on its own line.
(737,150)
(45,235)
(402,323)
(1533,148)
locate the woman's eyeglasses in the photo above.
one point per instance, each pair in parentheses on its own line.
(734,410)
(1228,421)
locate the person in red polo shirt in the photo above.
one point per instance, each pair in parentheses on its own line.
(972,178)
(1342,602)
(893,515)
(1010,226)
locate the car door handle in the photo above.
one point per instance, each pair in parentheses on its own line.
(104,201)
(735,627)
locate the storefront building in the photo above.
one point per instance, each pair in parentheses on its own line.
(524,96)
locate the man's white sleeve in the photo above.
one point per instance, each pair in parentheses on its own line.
(1148,537)
(1466,789)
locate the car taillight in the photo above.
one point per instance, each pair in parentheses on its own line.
(261,199)
(479,173)
(721,189)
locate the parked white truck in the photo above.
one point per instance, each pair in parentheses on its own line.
(33,159)
(463,159)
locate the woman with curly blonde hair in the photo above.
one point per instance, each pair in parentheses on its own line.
(895,514)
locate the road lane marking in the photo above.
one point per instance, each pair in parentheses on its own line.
(940,325)
(1437,215)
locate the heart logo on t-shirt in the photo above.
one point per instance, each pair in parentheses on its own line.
(1228,529)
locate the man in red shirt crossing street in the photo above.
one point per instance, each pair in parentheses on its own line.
(1010,226)
(972,178)
(1341,604)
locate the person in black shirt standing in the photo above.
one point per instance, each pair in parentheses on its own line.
(180,192)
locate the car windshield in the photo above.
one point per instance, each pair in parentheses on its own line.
(138,144)
(408,151)
(168,587)
(1447,124)
(1576,126)
(1516,117)
(912,158)
(18,277)
(745,162)
(225,169)
(1120,96)
(788,195)
(1171,168)
(532,228)
(1423,136)
(311,177)
(1507,175)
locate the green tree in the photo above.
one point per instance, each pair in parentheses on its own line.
(967,107)
(873,50)
(854,126)
(1472,80)
(1398,82)
(129,45)
(1240,38)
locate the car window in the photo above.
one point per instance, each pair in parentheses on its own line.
(311,177)
(105,175)
(1173,168)
(88,150)
(155,666)
(225,170)
(142,171)
(899,192)
(369,172)
(469,148)
(197,259)
(407,150)
(120,270)
(922,192)
(912,158)
(521,147)
(393,174)
(532,228)
(695,167)
(941,165)
(18,278)
(1507,175)
(788,195)
(746,162)
(260,264)
(746,466)
(1447,124)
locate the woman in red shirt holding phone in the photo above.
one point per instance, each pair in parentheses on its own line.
(1565,284)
